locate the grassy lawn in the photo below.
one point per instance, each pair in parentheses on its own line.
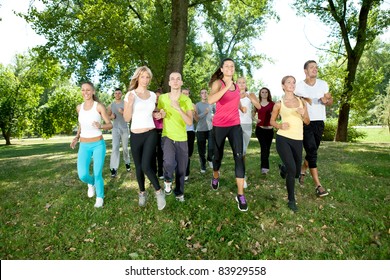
(46,214)
(375,135)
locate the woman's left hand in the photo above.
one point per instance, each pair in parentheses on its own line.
(97,125)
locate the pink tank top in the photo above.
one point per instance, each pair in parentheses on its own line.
(226,113)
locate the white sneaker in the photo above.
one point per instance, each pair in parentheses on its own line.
(142,199)
(202,171)
(168,187)
(180,198)
(91,190)
(161,199)
(161,177)
(211,164)
(185,178)
(99,202)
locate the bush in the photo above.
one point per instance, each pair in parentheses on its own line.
(331,127)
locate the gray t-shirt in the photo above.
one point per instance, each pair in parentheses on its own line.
(119,121)
(205,118)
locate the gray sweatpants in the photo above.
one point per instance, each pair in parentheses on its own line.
(175,162)
(119,135)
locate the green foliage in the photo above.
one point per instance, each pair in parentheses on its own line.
(333,13)
(21,86)
(368,90)
(233,25)
(119,36)
(59,114)
(34,99)
(331,127)
(381,109)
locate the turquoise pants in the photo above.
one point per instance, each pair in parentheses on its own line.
(87,152)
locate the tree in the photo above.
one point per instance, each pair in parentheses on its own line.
(382,108)
(58,114)
(232,26)
(21,86)
(365,85)
(178,38)
(121,35)
(352,22)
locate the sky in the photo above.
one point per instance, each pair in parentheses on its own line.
(289,42)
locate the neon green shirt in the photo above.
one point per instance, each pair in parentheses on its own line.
(174,126)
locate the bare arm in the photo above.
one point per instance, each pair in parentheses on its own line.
(216,92)
(327,99)
(274,115)
(196,117)
(128,109)
(76,139)
(304,114)
(254,100)
(107,121)
(243,109)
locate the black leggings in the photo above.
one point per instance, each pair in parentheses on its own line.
(264,136)
(190,143)
(143,150)
(290,152)
(234,135)
(312,135)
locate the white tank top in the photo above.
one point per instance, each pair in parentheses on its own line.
(142,111)
(86,118)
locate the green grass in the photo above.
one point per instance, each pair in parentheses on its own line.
(45,212)
(375,134)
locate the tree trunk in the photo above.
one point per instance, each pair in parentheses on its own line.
(345,102)
(7,136)
(178,39)
(353,57)
(342,123)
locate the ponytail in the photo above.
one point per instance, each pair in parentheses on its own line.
(218,75)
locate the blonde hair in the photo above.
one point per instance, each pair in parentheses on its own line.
(243,78)
(134,80)
(286,77)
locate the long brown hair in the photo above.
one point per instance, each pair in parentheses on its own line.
(269,97)
(218,74)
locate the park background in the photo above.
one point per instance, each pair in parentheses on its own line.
(46,215)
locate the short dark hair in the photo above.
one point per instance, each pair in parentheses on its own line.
(308,62)
(118,89)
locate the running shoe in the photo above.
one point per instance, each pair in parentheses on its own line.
(241,203)
(321,193)
(215,183)
(168,187)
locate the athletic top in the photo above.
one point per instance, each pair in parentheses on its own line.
(264,114)
(86,118)
(226,113)
(205,119)
(294,119)
(246,118)
(317,111)
(142,110)
(174,126)
(119,121)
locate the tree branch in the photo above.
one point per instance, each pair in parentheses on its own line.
(136,13)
